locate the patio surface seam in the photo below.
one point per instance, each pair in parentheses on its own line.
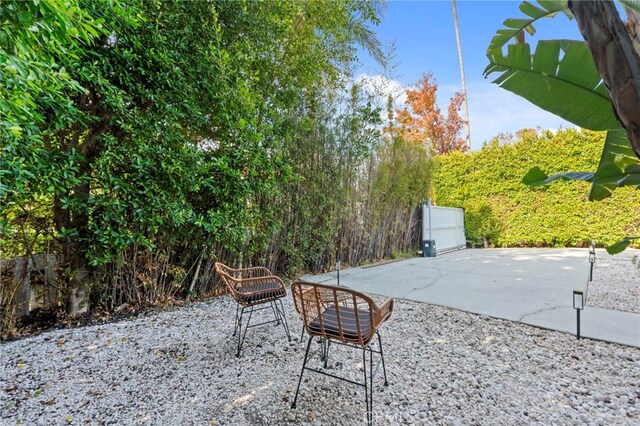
(540,311)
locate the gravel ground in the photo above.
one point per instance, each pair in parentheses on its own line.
(445,367)
(616,282)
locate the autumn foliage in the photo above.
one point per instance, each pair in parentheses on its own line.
(422,121)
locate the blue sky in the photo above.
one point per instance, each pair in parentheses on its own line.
(424,38)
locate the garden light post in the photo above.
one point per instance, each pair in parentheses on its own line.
(592,260)
(338,270)
(578,305)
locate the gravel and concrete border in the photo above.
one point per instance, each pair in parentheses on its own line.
(446,367)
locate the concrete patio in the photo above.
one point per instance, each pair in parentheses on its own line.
(533,286)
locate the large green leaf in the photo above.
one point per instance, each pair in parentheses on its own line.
(618,167)
(621,245)
(609,177)
(536,177)
(560,78)
(604,181)
(547,9)
(617,150)
(632,4)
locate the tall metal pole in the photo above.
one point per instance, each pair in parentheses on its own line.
(464,84)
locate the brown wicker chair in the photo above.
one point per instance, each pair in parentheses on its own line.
(346,317)
(251,287)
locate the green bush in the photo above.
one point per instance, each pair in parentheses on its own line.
(480,222)
(488,184)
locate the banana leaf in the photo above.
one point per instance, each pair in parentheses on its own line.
(621,245)
(632,4)
(618,167)
(560,78)
(546,9)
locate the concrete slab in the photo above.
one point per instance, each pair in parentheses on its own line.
(533,286)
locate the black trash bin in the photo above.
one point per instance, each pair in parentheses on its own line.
(429,248)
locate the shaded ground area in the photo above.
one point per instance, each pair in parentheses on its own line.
(532,286)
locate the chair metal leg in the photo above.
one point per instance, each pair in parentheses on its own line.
(327,344)
(304,364)
(370,409)
(241,332)
(283,317)
(323,349)
(367,373)
(275,313)
(242,335)
(384,370)
(366,383)
(235,327)
(238,331)
(302,333)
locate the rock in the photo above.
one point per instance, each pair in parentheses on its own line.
(439,371)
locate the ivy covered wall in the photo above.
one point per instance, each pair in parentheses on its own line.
(502,211)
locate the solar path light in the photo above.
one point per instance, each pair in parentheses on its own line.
(592,260)
(578,305)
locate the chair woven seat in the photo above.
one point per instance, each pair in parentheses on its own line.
(260,292)
(328,320)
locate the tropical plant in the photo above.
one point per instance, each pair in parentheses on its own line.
(562,77)
(488,185)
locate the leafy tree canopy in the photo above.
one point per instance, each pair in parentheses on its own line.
(423,121)
(152,124)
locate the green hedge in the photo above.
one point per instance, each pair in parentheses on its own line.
(502,210)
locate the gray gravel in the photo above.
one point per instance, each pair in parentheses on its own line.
(616,282)
(445,367)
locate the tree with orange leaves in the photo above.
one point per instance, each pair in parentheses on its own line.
(423,121)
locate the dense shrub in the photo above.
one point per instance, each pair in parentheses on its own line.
(488,183)
(143,140)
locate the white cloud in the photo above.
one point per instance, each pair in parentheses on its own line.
(382,87)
